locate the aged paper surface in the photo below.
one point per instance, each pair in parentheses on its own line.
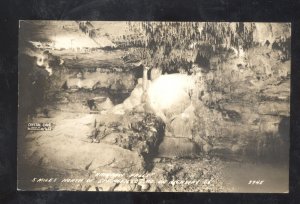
(154,106)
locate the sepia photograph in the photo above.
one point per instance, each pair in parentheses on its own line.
(153,106)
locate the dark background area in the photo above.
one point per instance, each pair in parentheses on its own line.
(200,10)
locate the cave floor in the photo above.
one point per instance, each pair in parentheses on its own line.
(65,153)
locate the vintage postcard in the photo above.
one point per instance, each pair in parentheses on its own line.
(154,106)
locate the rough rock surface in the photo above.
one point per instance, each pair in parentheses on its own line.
(138,132)
(178,172)
(115,81)
(240,107)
